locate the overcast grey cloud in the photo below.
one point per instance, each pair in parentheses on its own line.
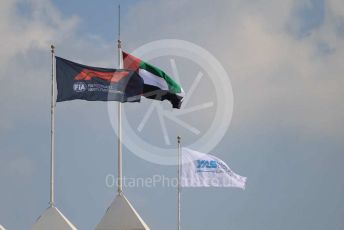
(284,59)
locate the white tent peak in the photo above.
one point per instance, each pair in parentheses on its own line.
(53,219)
(2,227)
(121,215)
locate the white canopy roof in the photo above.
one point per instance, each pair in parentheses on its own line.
(2,227)
(53,219)
(121,216)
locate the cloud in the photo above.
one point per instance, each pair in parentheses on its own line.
(280,78)
(271,68)
(28,28)
(26,33)
(277,75)
(37,29)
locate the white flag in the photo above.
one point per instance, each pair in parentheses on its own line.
(205,170)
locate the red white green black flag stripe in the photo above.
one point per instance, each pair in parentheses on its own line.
(157,84)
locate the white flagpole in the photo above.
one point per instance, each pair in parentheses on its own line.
(121,214)
(119,136)
(52,216)
(52,132)
(179,187)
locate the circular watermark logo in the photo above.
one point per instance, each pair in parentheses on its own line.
(150,127)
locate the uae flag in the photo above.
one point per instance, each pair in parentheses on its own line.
(157,84)
(77,81)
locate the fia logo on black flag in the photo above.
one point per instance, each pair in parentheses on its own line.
(79,87)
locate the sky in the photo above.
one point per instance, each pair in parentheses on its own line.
(284,60)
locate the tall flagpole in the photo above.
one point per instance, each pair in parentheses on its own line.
(52,132)
(119,136)
(179,165)
(120,214)
(52,216)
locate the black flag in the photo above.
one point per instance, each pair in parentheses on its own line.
(76,81)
